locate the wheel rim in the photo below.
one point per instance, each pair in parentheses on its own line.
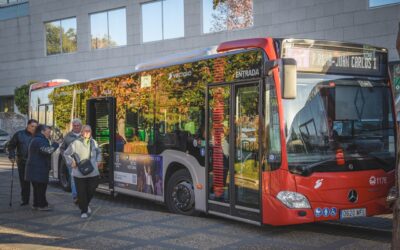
(183,196)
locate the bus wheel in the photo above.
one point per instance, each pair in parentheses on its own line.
(180,193)
(64,176)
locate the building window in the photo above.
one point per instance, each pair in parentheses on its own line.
(5,2)
(221,15)
(6,104)
(61,36)
(13,8)
(162,20)
(377,3)
(108,29)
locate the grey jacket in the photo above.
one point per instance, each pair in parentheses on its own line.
(69,138)
(80,150)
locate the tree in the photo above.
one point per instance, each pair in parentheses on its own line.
(21,97)
(53,35)
(53,42)
(217,2)
(62,99)
(69,40)
(104,42)
(232,14)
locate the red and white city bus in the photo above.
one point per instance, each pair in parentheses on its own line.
(265,131)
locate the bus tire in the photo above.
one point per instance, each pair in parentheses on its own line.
(64,176)
(180,193)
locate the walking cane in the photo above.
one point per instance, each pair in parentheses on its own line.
(12,182)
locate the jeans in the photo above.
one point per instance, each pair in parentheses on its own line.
(39,194)
(73,187)
(86,188)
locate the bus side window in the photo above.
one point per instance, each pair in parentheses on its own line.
(138,134)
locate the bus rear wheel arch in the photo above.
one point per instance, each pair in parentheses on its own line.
(63,175)
(179,195)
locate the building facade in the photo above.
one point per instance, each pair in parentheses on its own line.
(79,40)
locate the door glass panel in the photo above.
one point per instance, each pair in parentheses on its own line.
(49,115)
(101,133)
(246,165)
(218,172)
(42,114)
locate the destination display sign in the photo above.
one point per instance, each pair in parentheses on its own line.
(336,58)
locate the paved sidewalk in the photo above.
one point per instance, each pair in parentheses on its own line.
(127,223)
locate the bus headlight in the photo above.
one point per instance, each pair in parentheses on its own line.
(293,199)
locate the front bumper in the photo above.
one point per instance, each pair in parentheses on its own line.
(275,213)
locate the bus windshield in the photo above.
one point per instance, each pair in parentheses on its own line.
(338,123)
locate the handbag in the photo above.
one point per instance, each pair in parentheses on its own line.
(85,166)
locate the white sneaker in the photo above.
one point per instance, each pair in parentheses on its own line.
(89,210)
(84,215)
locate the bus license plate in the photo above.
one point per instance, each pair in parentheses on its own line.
(350,213)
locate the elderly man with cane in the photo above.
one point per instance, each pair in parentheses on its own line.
(19,143)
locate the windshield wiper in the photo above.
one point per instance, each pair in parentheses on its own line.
(306,170)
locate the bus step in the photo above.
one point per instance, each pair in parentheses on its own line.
(104,188)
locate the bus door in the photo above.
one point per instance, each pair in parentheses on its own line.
(233,152)
(101,117)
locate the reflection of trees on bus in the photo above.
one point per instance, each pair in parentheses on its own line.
(69,102)
(219,120)
(166,112)
(171,107)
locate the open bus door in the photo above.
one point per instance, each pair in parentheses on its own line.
(233,165)
(101,117)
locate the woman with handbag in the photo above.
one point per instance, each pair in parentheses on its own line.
(84,156)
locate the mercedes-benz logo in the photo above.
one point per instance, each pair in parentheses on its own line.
(352,196)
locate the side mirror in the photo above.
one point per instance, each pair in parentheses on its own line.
(287,74)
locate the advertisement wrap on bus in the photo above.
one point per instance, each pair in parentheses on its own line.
(263,130)
(141,173)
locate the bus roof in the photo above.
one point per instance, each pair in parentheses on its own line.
(176,58)
(50,83)
(215,51)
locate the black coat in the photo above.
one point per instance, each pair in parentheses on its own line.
(39,159)
(19,142)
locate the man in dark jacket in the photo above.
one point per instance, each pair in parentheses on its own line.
(38,166)
(19,143)
(69,138)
